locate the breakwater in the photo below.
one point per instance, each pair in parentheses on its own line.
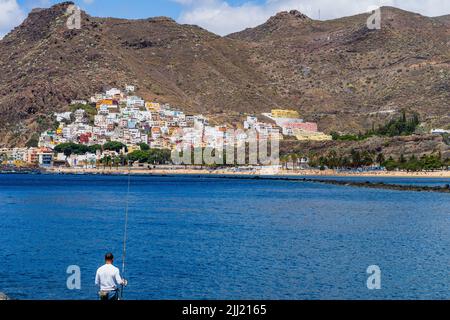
(7,169)
(382,185)
(361,184)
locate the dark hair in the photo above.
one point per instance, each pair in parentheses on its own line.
(109,257)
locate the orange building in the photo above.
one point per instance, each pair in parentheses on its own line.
(107,102)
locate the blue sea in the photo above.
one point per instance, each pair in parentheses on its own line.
(212,238)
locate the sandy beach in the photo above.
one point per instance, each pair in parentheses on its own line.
(221,172)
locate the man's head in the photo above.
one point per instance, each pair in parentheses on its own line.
(109,258)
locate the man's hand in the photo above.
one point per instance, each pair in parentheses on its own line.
(124,282)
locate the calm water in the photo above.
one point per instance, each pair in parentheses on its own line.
(198,238)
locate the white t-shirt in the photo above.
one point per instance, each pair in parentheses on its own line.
(108,278)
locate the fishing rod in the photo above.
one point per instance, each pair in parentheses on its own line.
(125,233)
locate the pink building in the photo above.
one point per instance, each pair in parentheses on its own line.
(288,128)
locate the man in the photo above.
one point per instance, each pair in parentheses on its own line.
(109,280)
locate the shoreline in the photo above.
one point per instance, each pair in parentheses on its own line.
(329,177)
(314,176)
(262,173)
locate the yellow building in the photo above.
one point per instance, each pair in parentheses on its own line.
(153,106)
(281,113)
(311,136)
(173,130)
(131,148)
(20,163)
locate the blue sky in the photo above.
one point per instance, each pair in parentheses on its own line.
(128,8)
(219,16)
(119,8)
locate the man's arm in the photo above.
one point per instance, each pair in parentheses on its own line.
(97,279)
(118,278)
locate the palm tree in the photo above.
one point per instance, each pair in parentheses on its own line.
(106,161)
(284,159)
(116,161)
(380,159)
(294,158)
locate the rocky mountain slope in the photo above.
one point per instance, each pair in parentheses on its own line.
(347,76)
(336,72)
(44,65)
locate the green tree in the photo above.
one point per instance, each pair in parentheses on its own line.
(71,148)
(115,146)
(356,158)
(380,158)
(152,156)
(402,126)
(33,141)
(390,164)
(94,148)
(144,146)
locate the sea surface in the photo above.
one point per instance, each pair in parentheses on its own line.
(211,238)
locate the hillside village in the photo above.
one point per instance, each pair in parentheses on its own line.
(121,117)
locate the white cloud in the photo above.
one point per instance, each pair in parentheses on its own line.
(222,18)
(10,15)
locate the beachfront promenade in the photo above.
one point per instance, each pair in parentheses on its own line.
(176,170)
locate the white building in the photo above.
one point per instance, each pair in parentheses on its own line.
(133,101)
(19,154)
(113,92)
(83,102)
(129,88)
(64,116)
(439,131)
(80,116)
(45,159)
(250,123)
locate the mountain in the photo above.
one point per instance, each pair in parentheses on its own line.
(44,65)
(337,72)
(348,77)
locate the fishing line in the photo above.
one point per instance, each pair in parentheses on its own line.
(125,233)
